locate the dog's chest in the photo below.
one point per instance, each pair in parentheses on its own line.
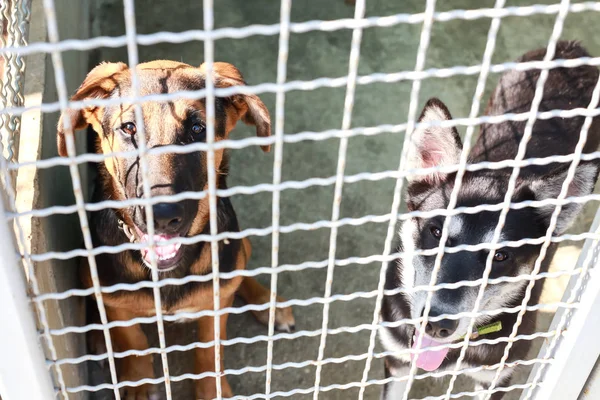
(186,314)
(186,305)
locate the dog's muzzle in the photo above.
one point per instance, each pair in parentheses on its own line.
(167,254)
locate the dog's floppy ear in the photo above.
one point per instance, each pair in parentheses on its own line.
(433,146)
(98,84)
(249,107)
(550,186)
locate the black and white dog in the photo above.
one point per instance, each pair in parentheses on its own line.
(566,88)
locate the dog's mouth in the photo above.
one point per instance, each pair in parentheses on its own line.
(429,360)
(168,255)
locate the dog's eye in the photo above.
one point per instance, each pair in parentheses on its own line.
(198,128)
(436,232)
(500,256)
(129,128)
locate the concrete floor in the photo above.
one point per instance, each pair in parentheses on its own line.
(325,54)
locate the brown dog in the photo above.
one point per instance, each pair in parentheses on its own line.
(179,122)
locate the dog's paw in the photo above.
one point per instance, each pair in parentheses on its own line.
(135,369)
(206,390)
(284,318)
(143,392)
(96,345)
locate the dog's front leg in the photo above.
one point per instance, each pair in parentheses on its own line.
(503,382)
(133,368)
(205,357)
(394,390)
(254,293)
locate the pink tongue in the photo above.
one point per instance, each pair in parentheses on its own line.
(161,251)
(430,360)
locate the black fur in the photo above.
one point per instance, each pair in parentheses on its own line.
(104,233)
(566,88)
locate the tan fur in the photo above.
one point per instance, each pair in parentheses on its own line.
(108,79)
(249,108)
(205,357)
(133,368)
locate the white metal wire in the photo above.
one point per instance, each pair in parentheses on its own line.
(587,263)
(339,360)
(539,90)
(299,302)
(589,300)
(336,331)
(207,7)
(33,283)
(282,86)
(284,35)
(368,383)
(359,13)
(489,51)
(322,182)
(314,84)
(535,103)
(132,56)
(24,374)
(329,387)
(15,21)
(61,88)
(321,264)
(299,27)
(303,364)
(391,231)
(563,193)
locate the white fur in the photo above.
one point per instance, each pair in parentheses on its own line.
(487,376)
(395,390)
(549,188)
(413,272)
(456,226)
(432,139)
(478,387)
(408,233)
(262,111)
(498,296)
(489,236)
(391,344)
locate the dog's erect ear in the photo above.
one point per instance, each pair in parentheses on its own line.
(249,107)
(550,186)
(98,84)
(433,146)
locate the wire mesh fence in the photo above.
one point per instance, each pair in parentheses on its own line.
(127,89)
(15,17)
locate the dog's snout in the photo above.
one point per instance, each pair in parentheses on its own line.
(168,217)
(440,328)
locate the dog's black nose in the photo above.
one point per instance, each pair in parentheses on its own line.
(441,328)
(168,217)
